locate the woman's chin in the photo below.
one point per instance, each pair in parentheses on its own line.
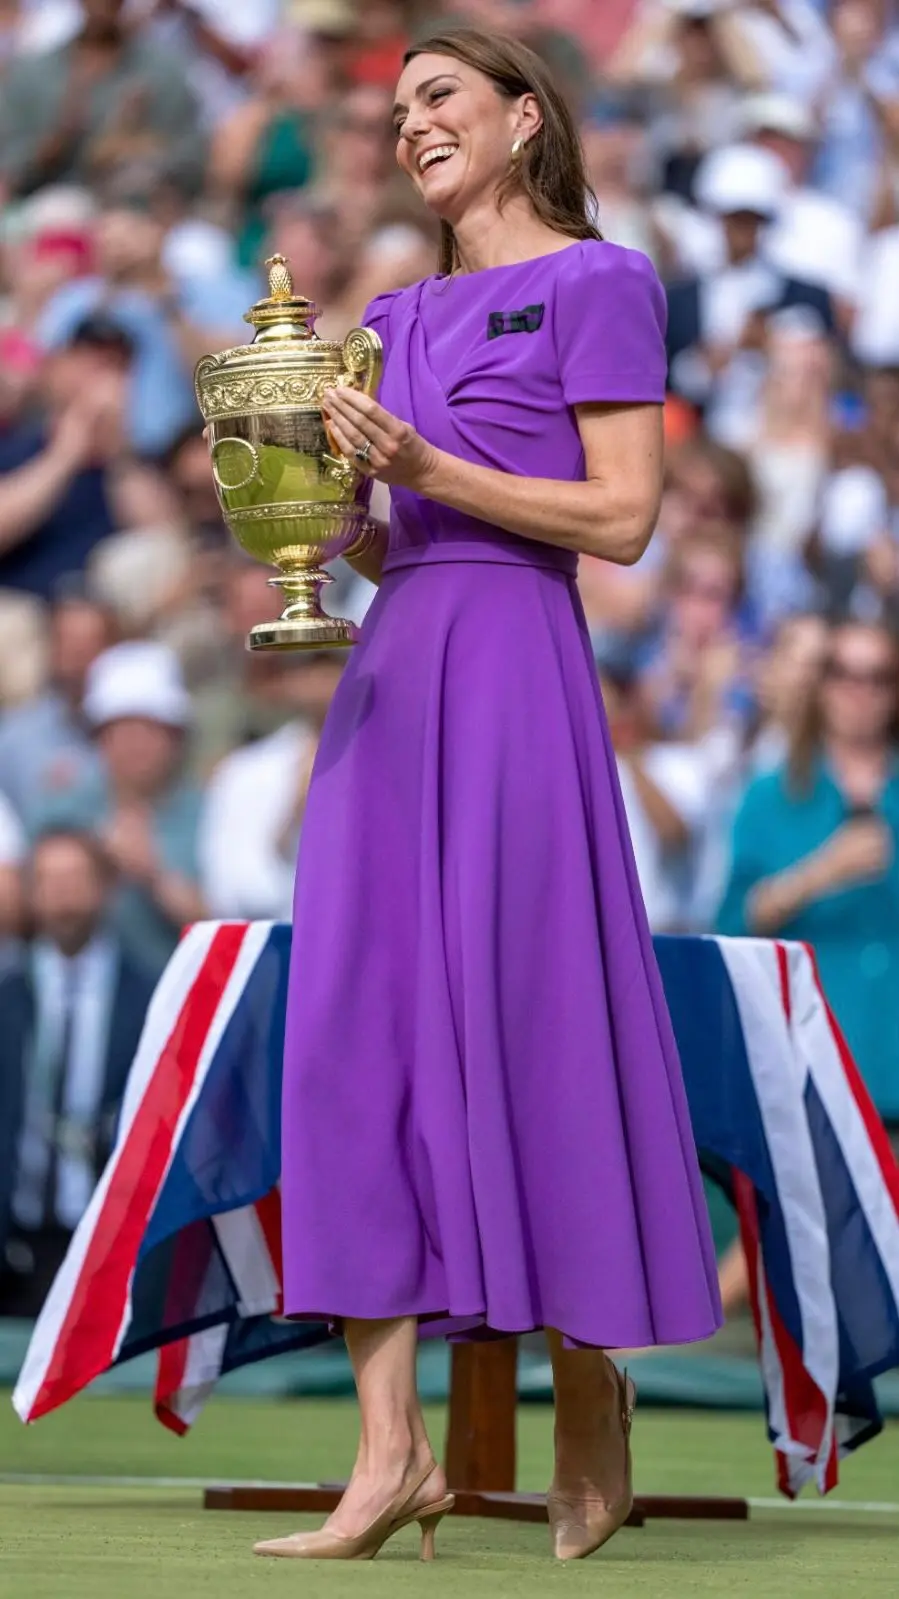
(443,197)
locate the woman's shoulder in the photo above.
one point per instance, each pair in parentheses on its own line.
(599,259)
(394,303)
(609,317)
(614,294)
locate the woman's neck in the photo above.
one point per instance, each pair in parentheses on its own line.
(486,237)
(861,769)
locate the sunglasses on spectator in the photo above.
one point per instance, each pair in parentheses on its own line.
(879,677)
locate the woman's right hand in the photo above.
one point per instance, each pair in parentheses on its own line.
(858,852)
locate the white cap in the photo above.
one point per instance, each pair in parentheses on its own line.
(741,177)
(854,510)
(778,113)
(137,679)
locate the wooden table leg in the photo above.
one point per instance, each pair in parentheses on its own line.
(480,1442)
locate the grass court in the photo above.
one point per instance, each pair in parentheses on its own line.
(99,1502)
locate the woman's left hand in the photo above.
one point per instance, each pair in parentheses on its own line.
(396,453)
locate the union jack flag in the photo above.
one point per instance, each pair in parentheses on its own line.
(180,1249)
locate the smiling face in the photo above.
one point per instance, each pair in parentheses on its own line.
(455,132)
(859,683)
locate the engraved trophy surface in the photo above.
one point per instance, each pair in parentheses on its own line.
(289,500)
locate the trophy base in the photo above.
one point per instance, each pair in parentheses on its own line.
(303,633)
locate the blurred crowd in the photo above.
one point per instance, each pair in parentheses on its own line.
(152,153)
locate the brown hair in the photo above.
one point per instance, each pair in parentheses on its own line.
(89,843)
(732,470)
(551,170)
(808,737)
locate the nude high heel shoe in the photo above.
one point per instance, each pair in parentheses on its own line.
(581,1525)
(326,1545)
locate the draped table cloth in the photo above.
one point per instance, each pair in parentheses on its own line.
(180,1250)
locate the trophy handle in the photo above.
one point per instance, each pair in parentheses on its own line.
(363,356)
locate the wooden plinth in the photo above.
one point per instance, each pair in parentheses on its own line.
(480,1457)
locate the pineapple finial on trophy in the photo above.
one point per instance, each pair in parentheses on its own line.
(280,282)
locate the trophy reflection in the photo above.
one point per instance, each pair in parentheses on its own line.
(287,497)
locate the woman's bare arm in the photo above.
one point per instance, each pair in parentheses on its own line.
(610,514)
(370,560)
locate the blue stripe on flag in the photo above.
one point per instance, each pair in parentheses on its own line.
(724,1112)
(869,1326)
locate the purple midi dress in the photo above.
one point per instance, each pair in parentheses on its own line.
(484,1122)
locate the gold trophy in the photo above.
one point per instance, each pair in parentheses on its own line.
(287,497)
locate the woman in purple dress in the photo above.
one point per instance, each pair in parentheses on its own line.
(484,1123)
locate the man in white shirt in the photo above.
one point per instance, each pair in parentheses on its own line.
(253,812)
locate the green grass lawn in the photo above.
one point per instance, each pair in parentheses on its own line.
(155,1542)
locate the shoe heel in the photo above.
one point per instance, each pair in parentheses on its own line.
(429,1525)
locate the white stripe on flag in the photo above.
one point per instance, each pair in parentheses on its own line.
(820,1053)
(244,1246)
(246,1252)
(202,1370)
(779,1075)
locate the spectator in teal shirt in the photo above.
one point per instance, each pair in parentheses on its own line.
(141,806)
(816,850)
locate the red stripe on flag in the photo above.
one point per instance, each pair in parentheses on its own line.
(268,1209)
(877,1133)
(747,1215)
(832,1472)
(784,972)
(169,1381)
(805,1405)
(86,1341)
(192,1252)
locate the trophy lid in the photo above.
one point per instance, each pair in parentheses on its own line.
(283,315)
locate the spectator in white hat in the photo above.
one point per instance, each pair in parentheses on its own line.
(816,237)
(144,810)
(716,320)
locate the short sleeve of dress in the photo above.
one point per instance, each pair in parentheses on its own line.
(610,319)
(377,317)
